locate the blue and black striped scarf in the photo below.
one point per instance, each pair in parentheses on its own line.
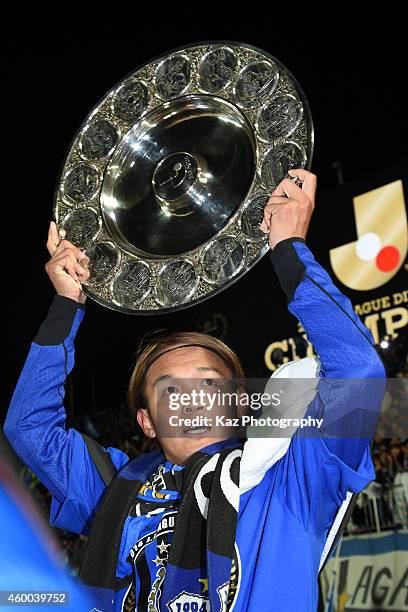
(203,496)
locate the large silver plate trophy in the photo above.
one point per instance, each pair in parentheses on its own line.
(165,182)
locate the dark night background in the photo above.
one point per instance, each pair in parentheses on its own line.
(357,93)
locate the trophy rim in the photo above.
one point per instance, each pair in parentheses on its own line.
(160,57)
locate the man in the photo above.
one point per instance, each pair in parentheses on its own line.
(31,562)
(211,522)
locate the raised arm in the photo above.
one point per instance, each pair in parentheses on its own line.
(322,466)
(344,345)
(35,422)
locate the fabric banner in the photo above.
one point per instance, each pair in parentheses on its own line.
(369,572)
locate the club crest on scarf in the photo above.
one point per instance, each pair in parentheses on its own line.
(227,593)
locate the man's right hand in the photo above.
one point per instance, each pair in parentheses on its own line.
(68,266)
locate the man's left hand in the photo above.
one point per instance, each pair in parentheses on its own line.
(289,209)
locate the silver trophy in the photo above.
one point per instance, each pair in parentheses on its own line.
(166,180)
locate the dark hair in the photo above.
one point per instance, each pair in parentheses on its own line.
(156,346)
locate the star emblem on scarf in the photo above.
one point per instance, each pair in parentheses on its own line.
(162,547)
(204,584)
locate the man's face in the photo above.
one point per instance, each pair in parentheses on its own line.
(184,370)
